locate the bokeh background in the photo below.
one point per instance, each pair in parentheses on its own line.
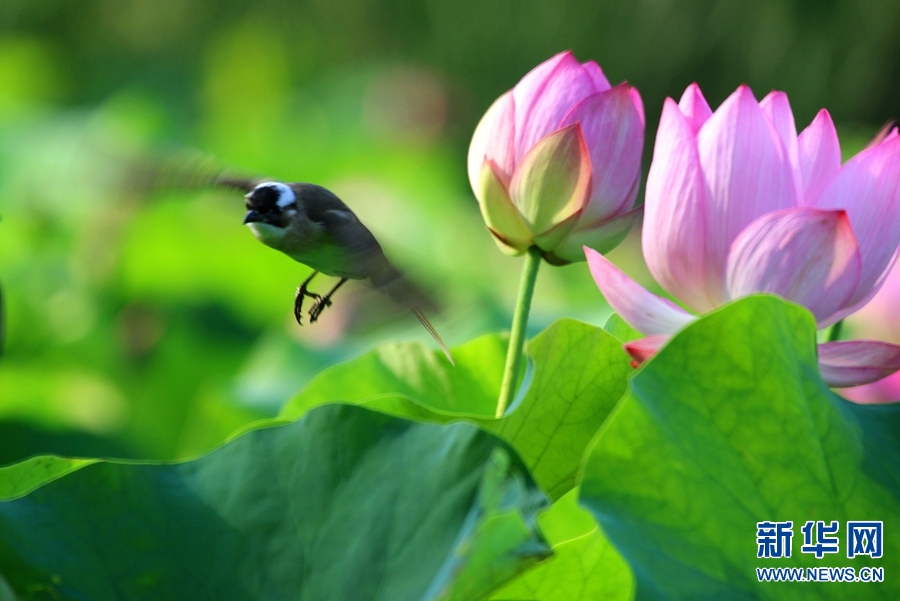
(153,325)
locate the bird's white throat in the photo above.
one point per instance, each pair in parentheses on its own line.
(269,235)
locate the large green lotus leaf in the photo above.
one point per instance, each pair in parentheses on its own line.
(6,593)
(413,371)
(729,425)
(21,478)
(578,373)
(617,326)
(585,566)
(345,504)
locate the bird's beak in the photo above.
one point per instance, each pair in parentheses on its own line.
(252,216)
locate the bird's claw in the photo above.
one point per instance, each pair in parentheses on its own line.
(318,307)
(319,304)
(302,292)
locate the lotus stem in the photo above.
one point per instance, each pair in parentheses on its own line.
(519,324)
(835,332)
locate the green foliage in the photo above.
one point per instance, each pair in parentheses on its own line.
(343,504)
(616,326)
(584,566)
(415,373)
(154,327)
(150,326)
(577,375)
(6,593)
(21,478)
(658,480)
(730,425)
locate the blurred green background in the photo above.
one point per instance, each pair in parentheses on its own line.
(153,326)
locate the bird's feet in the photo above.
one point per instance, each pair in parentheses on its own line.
(319,304)
(318,307)
(302,292)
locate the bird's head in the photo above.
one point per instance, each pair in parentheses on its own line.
(272,204)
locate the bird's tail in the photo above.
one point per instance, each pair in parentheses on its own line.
(427,324)
(390,281)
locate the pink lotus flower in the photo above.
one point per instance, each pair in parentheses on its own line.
(882,391)
(738,203)
(879,319)
(556,161)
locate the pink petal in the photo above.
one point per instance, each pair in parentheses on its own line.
(494,139)
(614,135)
(747,171)
(675,230)
(878,318)
(545,95)
(819,156)
(805,255)
(850,309)
(643,349)
(694,107)
(642,310)
(868,187)
(886,390)
(777,110)
(887,132)
(593,70)
(853,362)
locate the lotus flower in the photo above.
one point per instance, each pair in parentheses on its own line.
(556,161)
(882,391)
(738,203)
(879,319)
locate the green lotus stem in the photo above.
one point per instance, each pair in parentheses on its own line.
(835,332)
(517,335)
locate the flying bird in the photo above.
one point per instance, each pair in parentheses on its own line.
(313,226)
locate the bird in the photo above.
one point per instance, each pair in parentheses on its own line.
(310,224)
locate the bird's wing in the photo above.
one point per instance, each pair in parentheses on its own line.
(345,231)
(321,204)
(235,183)
(341,227)
(365,255)
(406,294)
(342,232)
(185,170)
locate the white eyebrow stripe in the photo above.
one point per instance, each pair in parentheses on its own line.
(286,196)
